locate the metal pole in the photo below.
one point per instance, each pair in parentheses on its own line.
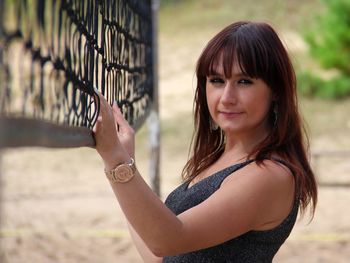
(153,120)
(1,87)
(1,196)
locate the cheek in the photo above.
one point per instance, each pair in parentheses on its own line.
(211,106)
(259,103)
(211,100)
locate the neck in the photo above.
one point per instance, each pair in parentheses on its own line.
(240,146)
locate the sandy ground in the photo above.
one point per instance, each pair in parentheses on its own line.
(58,207)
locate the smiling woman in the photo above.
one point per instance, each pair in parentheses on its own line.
(247,175)
(232,103)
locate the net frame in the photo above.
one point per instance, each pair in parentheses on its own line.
(87,45)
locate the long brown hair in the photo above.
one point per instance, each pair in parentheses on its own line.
(260,53)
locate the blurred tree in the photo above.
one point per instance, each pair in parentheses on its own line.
(166,2)
(329,44)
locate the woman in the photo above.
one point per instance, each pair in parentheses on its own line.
(248,174)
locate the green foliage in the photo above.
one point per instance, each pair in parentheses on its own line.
(311,85)
(330,45)
(308,84)
(330,41)
(170,2)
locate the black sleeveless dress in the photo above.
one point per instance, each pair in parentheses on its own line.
(251,247)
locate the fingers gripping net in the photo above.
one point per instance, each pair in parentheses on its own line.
(54,53)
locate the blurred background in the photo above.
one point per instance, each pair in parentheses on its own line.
(57,205)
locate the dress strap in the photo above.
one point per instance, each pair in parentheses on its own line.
(217,177)
(229,170)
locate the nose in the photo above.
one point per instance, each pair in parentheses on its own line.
(228,95)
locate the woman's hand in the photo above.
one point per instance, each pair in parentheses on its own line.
(115,139)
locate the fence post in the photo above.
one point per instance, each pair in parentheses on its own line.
(153,120)
(1,87)
(1,200)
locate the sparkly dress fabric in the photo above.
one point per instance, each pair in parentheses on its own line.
(251,247)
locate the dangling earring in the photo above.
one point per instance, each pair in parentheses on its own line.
(213,125)
(275,113)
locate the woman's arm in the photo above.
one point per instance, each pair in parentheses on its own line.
(144,251)
(254,198)
(149,217)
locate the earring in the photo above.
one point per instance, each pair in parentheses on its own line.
(275,113)
(213,125)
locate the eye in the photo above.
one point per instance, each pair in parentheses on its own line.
(245,81)
(216,80)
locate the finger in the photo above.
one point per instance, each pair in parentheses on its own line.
(115,111)
(98,124)
(105,108)
(116,119)
(118,115)
(120,120)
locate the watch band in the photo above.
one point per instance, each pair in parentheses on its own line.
(123,173)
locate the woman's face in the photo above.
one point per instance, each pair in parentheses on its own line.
(238,104)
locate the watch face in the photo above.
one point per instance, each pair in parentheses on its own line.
(123,174)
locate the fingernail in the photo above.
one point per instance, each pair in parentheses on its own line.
(96,90)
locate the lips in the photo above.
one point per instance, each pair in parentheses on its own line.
(230,114)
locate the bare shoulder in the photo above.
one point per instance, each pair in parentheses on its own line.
(269,173)
(279,174)
(272,187)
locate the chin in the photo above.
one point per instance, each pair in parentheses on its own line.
(231,129)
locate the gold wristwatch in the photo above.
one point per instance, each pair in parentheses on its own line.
(122,173)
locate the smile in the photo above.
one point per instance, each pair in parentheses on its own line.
(230,114)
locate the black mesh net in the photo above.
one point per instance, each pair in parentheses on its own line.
(53,54)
